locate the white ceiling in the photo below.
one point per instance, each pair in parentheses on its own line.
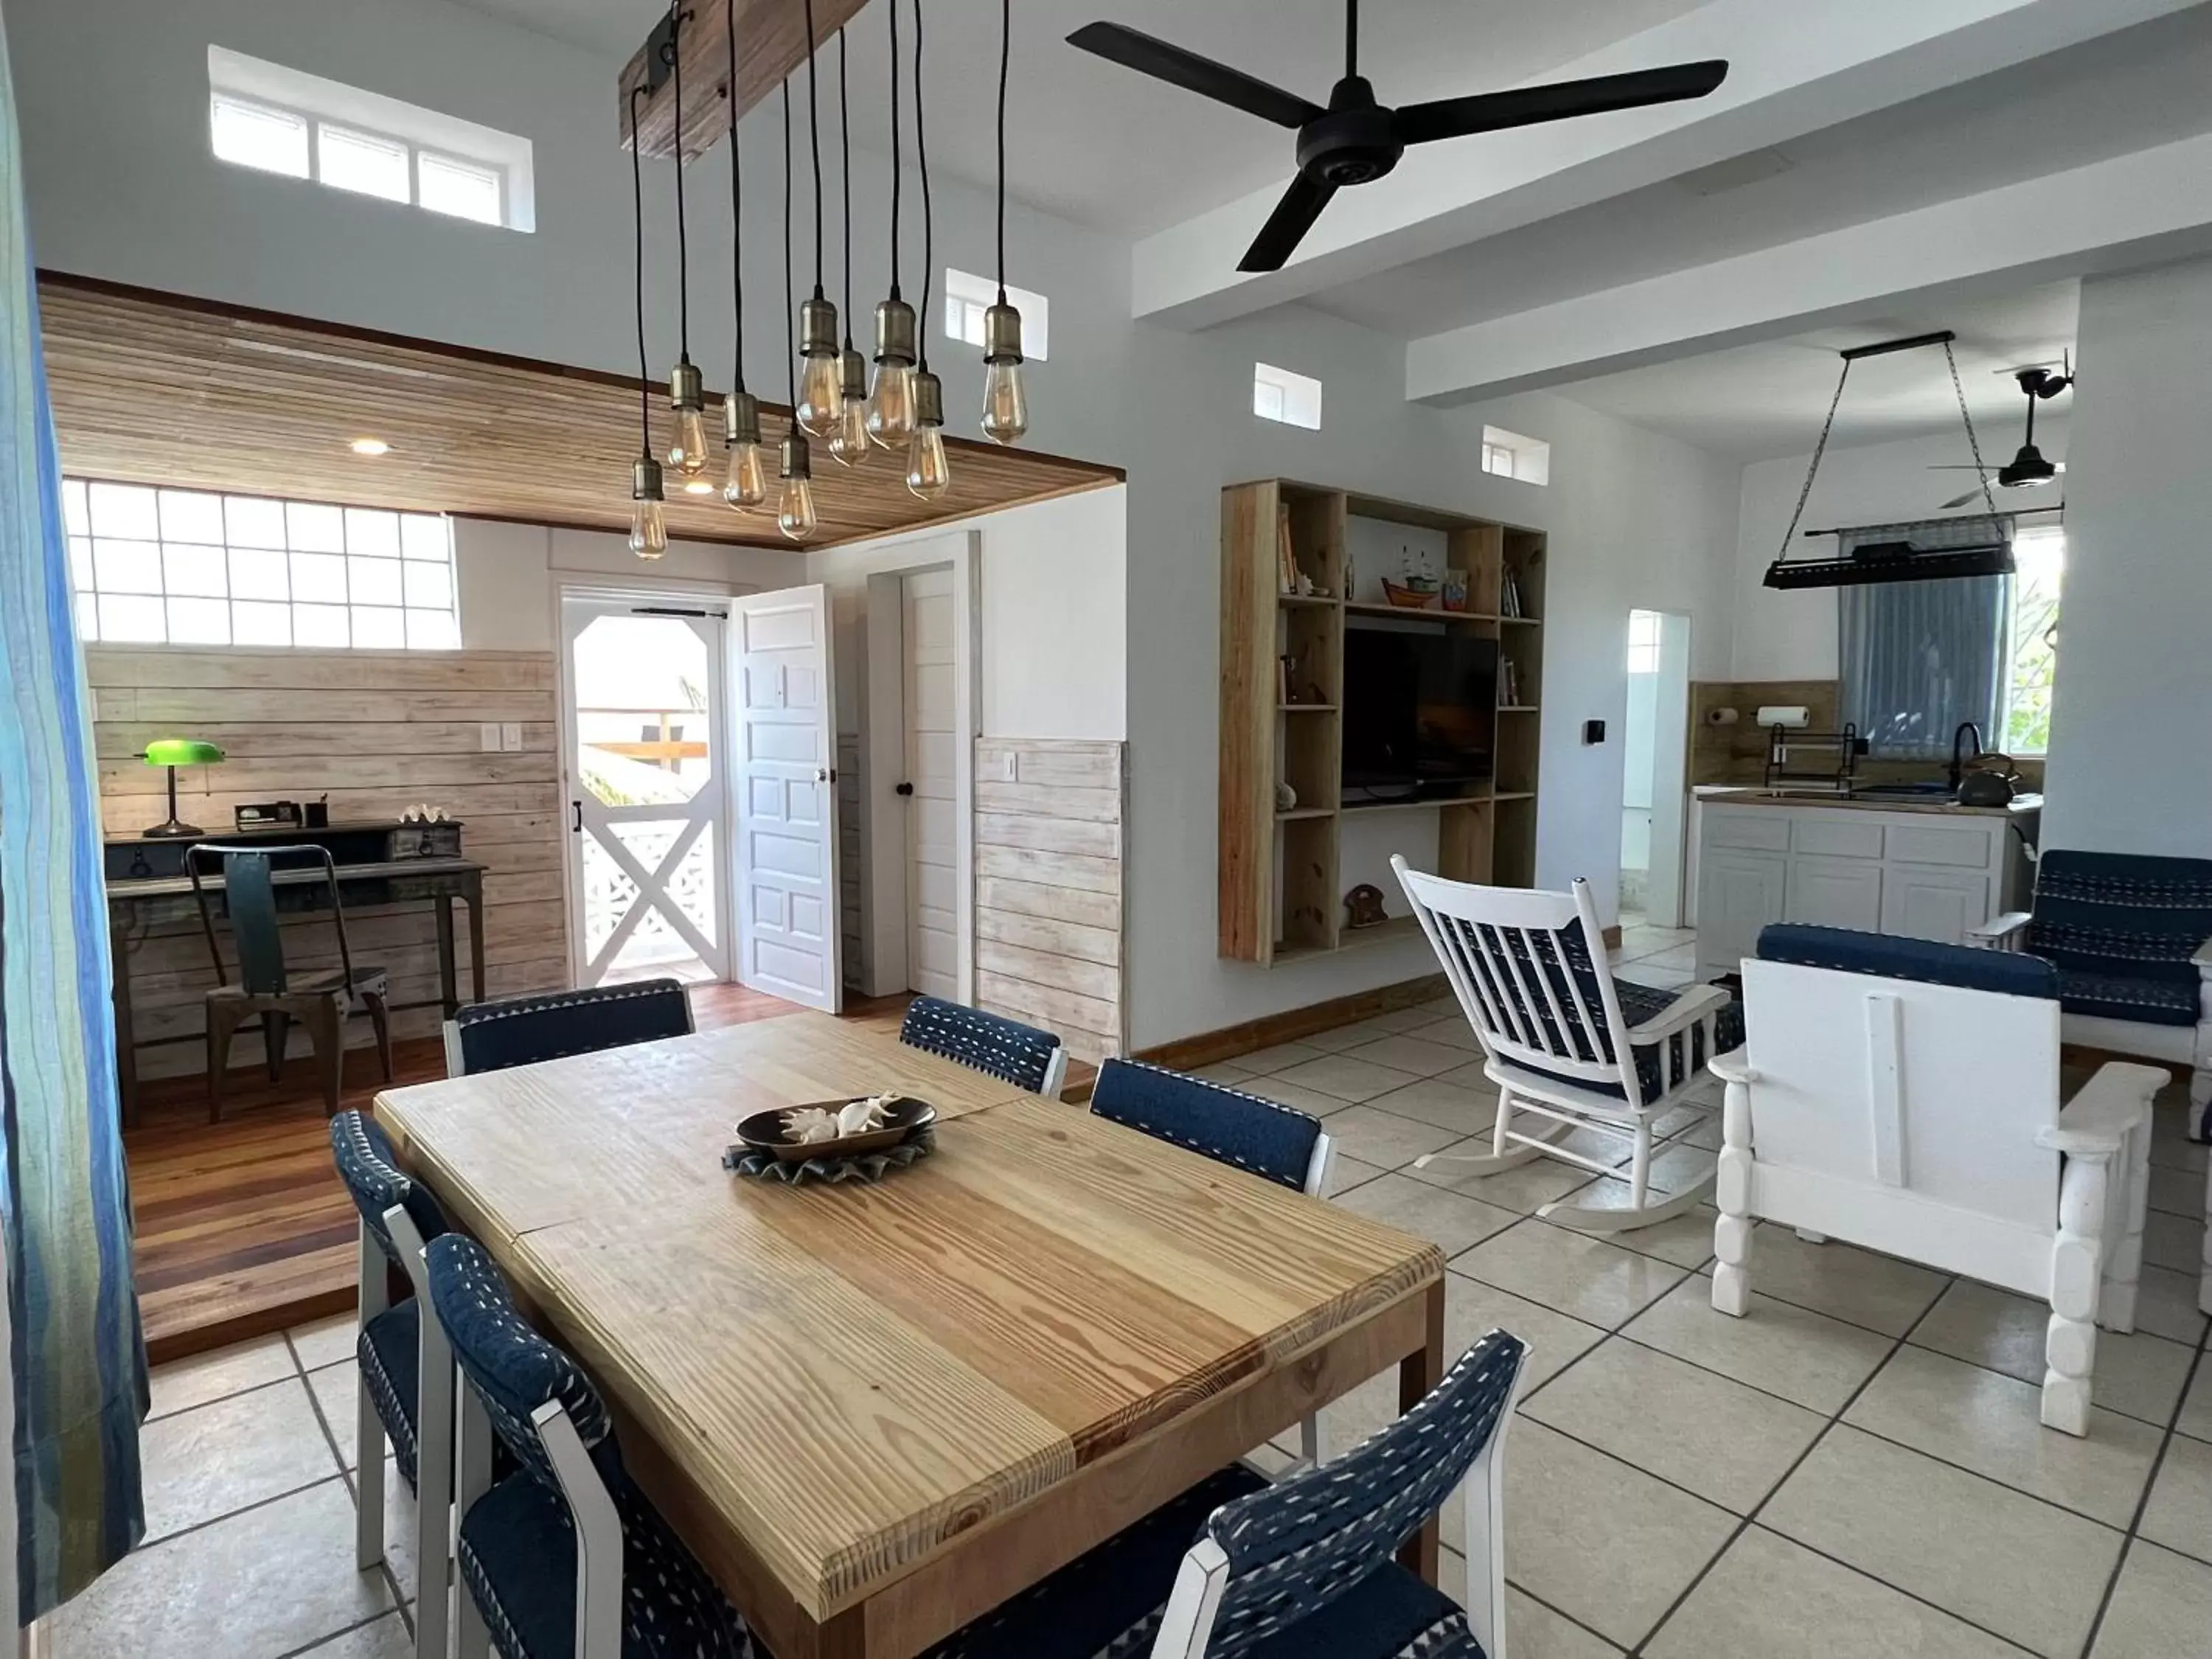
(1104,146)
(1761,400)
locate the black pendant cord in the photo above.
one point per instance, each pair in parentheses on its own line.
(683,258)
(897,165)
(1351,37)
(814,134)
(737,221)
(929,212)
(637,216)
(1006,54)
(790,313)
(845,147)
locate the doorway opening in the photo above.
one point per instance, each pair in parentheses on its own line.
(1653,801)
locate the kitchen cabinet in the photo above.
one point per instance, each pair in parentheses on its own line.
(1738,894)
(1836,892)
(1941,905)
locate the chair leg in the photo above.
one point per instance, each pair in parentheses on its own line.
(1732,1190)
(473,1437)
(379,1016)
(328,1030)
(222,1024)
(2128,1212)
(276,1032)
(2076,1275)
(1499,1160)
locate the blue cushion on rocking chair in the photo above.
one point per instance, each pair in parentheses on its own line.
(1661,1066)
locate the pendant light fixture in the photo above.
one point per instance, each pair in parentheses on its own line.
(747,486)
(649,525)
(820,388)
(927,473)
(686,388)
(849,444)
(890,405)
(795,513)
(1006,401)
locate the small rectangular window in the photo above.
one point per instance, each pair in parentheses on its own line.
(1510,455)
(968,296)
(445,184)
(273,140)
(1279,395)
(362,161)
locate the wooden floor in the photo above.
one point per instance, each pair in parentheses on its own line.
(244,1226)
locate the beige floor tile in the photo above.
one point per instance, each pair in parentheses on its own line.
(1452,1106)
(1225,1071)
(1677,1166)
(1348,1078)
(1989,1424)
(2166,1305)
(1686,1240)
(1705,1133)
(2179,1191)
(1726,1443)
(1648,973)
(2162,1605)
(1383,1137)
(380,1639)
(1681,959)
(1878,1292)
(2173,1241)
(401,1518)
(1994,1556)
(1454,1223)
(2196,1417)
(222,1456)
(325,1342)
(1410,1053)
(184,1383)
(1452,1030)
(1598,1283)
(1346,1173)
(2179,1513)
(1373,1029)
(2138,1375)
(1279,1058)
(1527,1189)
(1309,1100)
(252,1586)
(1533,1630)
(1770,1599)
(2171,1146)
(1602,1542)
(1802,1356)
(335,1389)
(1472,1309)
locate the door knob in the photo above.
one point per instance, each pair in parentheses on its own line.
(906,789)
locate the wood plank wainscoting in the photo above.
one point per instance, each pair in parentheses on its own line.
(378,732)
(1050,931)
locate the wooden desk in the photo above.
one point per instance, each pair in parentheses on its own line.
(877,1412)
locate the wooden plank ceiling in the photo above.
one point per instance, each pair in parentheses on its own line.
(771,43)
(152,388)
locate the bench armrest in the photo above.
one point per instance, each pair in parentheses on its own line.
(1695,1002)
(2003,932)
(2204,958)
(2109,1104)
(1732,1067)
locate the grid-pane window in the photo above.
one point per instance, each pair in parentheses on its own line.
(464,189)
(188,567)
(2039,566)
(1643,641)
(362,161)
(254,135)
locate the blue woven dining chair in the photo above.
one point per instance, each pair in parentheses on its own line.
(564,1558)
(1238,1568)
(1274,1142)
(405,1390)
(1006,1048)
(490,1036)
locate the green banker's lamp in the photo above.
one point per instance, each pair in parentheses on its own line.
(174,752)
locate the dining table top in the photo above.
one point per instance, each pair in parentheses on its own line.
(850,1379)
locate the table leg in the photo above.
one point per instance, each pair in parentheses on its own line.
(476,939)
(126,1035)
(1418,1376)
(449,992)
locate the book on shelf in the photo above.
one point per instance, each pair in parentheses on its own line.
(1509,597)
(1286,560)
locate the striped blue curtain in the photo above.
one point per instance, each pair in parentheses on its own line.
(1916,658)
(77,1357)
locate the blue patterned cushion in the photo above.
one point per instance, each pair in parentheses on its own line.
(1660,1066)
(1888,955)
(389,1348)
(518,1557)
(370,1169)
(1272,1141)
(2119,996)
(1005,1049)
(2122,915)
(523,1031)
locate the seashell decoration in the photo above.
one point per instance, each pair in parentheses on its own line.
(862,1116)
(810,1124)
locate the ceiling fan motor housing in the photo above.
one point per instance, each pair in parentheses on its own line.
(1354,142)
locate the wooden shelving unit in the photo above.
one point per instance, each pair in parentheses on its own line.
(1280,897)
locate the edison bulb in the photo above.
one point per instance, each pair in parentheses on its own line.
(821,398)
(849,444)
(927,474)
(688,455)
(747,487)
(794,514)
(890,409)
(648,531)
(1005,404)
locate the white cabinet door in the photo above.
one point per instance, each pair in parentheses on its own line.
(1738,894)
(1937,904)
(1835,893)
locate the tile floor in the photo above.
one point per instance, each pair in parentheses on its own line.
(1856,1466)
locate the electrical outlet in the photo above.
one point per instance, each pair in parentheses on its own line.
(510,734)
(488,736)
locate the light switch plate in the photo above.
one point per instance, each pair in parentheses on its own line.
(488,735)
(510,734)
(1013,764)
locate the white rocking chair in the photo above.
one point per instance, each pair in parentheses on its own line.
(1903,1095)
(1563,1040)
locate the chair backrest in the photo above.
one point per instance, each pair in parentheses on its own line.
(1020,1055)
(1527,968)
(1292,1548)
(516,1372)
(490,1036)
(249,894)
(1898,1086)
(370,1170)
(1274,1142)
(2122,914)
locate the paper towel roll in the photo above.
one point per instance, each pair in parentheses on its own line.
(1785,714)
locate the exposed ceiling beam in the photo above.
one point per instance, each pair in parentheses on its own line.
(2133,210)
(771,44)
(1794,69)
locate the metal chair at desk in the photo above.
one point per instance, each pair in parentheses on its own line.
(324,1000)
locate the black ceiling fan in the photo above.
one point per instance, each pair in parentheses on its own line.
(1355,140)
(2029,466)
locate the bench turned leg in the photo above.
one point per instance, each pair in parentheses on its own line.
(2077,1271)
(1732,1196)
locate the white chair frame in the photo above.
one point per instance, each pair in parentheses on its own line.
(1517,1049)
(433,1437)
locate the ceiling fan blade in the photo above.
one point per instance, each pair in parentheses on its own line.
(1158,59)
(1489,112)
(1286,226)
(1960,500)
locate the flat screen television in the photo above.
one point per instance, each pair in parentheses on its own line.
(1421,710)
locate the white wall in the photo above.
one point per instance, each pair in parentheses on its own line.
(2127,771)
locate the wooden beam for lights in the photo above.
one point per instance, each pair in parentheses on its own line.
(771,44)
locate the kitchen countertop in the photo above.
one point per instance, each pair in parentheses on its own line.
(1750,795)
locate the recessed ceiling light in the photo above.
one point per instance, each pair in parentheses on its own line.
(369,447)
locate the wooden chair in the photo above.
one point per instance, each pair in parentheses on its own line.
(490,1036)
(1006,1048)
(1903,1095)
(322,1000)
(1554,1031)
(1302,1568)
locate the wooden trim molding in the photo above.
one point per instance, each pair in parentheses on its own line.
(1204,1049)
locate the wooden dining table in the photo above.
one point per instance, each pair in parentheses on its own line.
(875,1412)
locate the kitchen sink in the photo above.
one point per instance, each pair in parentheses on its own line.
(1934,789)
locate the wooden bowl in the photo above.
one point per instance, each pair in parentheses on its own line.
(763,1131)
(1409,598)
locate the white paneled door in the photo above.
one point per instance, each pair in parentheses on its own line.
(785,731)
(930,786)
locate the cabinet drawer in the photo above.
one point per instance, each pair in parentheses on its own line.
(1758,830)
(1837,836)
(1936,843)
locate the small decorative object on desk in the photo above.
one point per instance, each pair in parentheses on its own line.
(1414,594)
(1454,590)
(425,833)
(834,1140)
(1286,799)
(1363,907)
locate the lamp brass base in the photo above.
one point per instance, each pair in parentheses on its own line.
(174,829)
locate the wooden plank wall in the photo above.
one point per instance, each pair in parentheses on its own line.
(1049,933)
(380,731)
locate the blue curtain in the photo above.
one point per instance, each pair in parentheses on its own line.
(1917,658)
(76,1359)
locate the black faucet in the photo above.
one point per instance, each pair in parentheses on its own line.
(1957,763)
